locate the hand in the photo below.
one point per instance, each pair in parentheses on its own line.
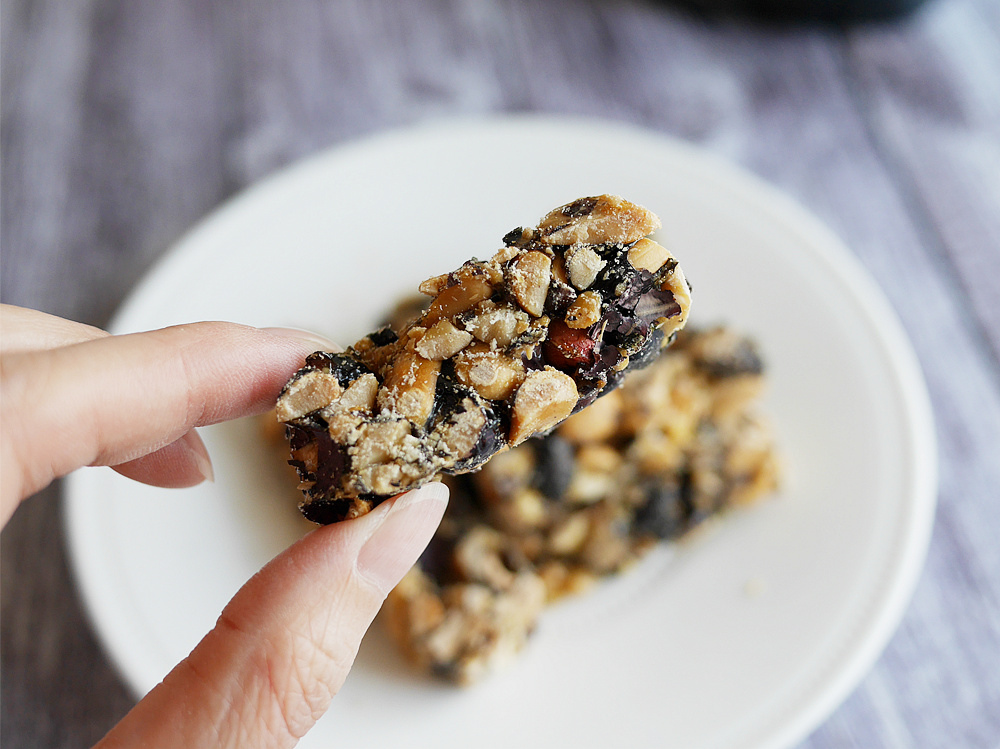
(74,396)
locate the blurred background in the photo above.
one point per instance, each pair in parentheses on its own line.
(124,122)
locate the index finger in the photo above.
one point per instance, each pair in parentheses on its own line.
(23,329)
(114,399)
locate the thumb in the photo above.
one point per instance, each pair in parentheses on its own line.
(285,643)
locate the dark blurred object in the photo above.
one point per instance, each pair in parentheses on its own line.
(832,11)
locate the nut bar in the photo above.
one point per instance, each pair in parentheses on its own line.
(506,349)
(679,443)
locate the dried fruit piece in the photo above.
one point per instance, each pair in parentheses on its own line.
(567,348)
(506,348)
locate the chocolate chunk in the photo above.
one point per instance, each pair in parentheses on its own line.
(554,466)
(667,511)
(345,368)
(383,336)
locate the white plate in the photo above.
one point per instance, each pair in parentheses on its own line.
(746,637)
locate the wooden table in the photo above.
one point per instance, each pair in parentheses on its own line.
(125,122)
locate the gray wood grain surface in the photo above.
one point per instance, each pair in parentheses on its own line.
(124,121)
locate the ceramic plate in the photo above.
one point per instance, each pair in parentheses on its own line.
(746,636)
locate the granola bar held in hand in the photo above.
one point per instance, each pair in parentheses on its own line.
(507,348)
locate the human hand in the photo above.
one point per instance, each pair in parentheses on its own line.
(74,396)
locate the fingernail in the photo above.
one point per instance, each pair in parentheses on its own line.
(314,339)
(198,454)
(402,535)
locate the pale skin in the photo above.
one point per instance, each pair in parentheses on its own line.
(73,396)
